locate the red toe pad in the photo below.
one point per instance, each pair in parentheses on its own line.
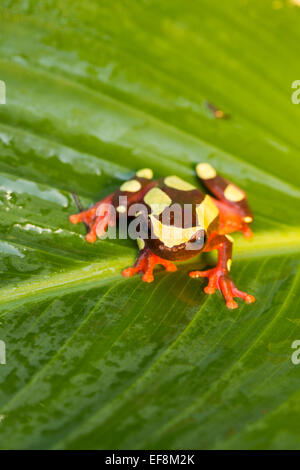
(145,263)
(218,279)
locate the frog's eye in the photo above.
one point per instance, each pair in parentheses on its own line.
(197,241)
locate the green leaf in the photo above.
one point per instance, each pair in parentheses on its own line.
(95,90)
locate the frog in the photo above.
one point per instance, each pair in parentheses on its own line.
(165,239)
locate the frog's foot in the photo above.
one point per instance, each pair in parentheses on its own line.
(246,231)
(97,218)
(218,279)
(145,263)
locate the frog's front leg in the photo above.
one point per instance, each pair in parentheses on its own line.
(104,212)
(97,218)
(219,276)
(145,263)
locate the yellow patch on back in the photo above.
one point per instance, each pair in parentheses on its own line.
(140,243)
(145,173)
(131,186)
(229,262)
(232,193)
(177,183)
(205,171)
(171,235)
(207,211)
(158,200)
(248,219)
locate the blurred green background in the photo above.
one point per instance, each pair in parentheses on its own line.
(94,91)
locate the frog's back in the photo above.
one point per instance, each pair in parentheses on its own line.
(176,212)
(173,190)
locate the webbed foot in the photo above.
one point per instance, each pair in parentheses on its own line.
(145,263)
(218,279)
(97,219)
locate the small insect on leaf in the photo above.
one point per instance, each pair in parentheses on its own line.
(218,113)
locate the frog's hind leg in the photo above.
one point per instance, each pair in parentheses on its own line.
(235,213)
(97,218)
(145,263)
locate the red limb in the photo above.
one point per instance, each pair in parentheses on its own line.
(97,218)
(218,277)
(235,213)
(101,215)
(145,263)
(231,220)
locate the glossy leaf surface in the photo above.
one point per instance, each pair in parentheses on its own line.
(94,91)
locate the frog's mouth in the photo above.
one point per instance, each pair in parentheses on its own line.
(172,236)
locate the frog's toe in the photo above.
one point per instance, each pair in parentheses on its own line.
(231,304)
(196,274)
(75,218)
(170,267)
(145,264)
(91,237)
(128,272)
(148,277)
(218,279)
(249,299)
(209,290)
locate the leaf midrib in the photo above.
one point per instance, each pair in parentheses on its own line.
(264,244)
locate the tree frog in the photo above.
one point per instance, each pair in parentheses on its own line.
(178,235)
